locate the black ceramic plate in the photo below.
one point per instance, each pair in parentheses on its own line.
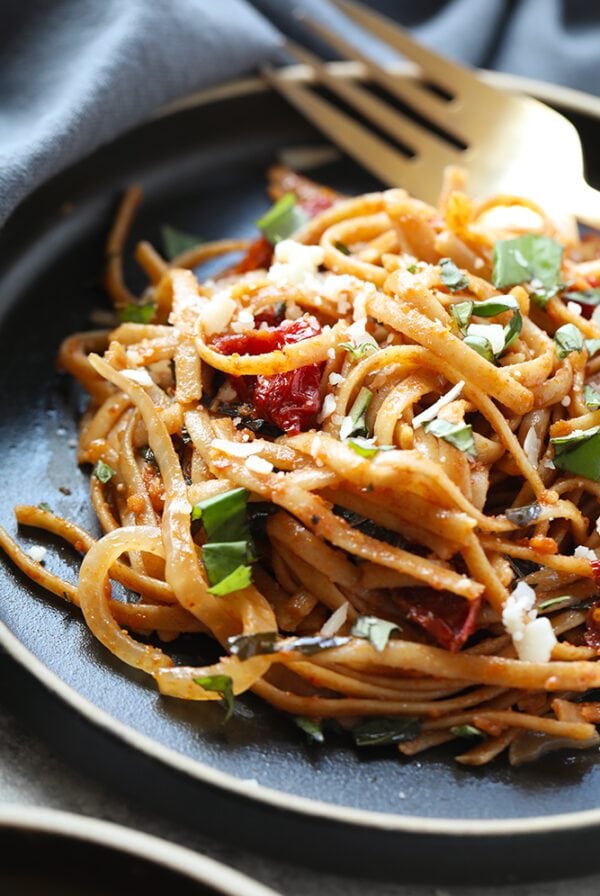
(49,853)
(203,170)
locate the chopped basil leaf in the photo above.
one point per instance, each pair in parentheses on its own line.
(413,268)
(223,558)
(461,312)
(591,397)
(176,242)
(312,727)
(525,515)
(451,276)
(223,685)
(379,732)
(240,578)
(530,258)
(358,412)
(224,516)
(579,453)
(482,346)
(359,351)
(137,314)
(460,435)
(366,447)
(466,731)
(568,339)
(46,507)
(104,472)
(282,220)
(592,346)
(494,306)
(260,643)
(546,604)
(584,296)
(375,630)
(342,247)
(247,646)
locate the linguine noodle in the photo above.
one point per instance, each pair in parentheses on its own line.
(363,459)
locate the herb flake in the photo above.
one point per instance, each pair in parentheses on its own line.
(176,242)
(531,258)
(104,472)
(568,339)
(311,727)
(223,685)
(282,220)
(375,630)
(460,435)
(451,276)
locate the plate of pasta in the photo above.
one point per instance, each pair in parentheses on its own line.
(308,508)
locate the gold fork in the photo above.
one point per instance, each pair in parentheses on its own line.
(508,144)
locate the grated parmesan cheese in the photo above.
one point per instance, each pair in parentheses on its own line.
(244,321)
(335,379)
(258,464)
(37,553)
(574,308)
(217,312)
(531,447)
(295,264)
(432,412)
(335,621)
(585,553)
(139,376)
(327,409)
(235,449)
(346,427)
(533,638)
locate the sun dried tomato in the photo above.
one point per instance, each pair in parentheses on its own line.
(595,564)
(289,400)
(272,315)
(592,626)
(450,620)
(258,255)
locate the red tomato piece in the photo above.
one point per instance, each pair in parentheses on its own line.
(450,620)
(289,400)
(592,626)
(258,255)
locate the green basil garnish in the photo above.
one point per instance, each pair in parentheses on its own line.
(462,312)
(451,276)
(568,339)
(342,247)
(525,515)
(482,346)
(551,602)
(366,447)
(282,220)
(104,472)
(375,630)
(176,242)
(46,507)
(579,453)
(237,580)
(224,517)
(358,412)
(223,685)
(584,296)
(531,258)
(380,732)
(460,435)
(311,727)
(358,352)
(592,346)
(591,398)
(468,732)
(137,314)
(223,558)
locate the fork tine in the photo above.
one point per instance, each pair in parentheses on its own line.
(447,73)
(416,139)
(433,108)
(374,154)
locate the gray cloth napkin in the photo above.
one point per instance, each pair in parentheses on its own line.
(76,73)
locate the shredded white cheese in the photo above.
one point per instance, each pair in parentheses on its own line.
(180,505)
(235,449)
(327,409)
(217,312)
(139,376)
(494,333)
(335,621)
(584,552)
(331,353)
(243,322)
(295,264)
(565,401)
(531,447)
(574,308)
(258,464)
(533,638)
(432,412)
(335,379)
(346,427)
(37,553)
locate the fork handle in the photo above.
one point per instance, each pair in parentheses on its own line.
(586,205)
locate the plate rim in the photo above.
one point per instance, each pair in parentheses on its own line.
(137,844)
(530,826)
